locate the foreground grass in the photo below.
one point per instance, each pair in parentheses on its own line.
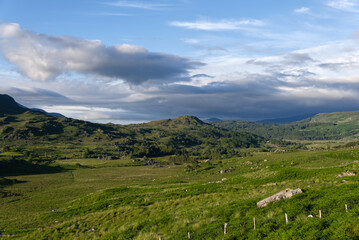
(97,199)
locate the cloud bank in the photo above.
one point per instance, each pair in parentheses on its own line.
(229,85)
(345,5)
(43,57)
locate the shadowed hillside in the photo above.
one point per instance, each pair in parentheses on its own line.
(9,106)
(65,137)
(323,126)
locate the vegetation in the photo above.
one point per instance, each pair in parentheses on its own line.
(323,126)
(97,199)
(45,138)
(62,178)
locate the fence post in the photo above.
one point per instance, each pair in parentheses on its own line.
(320,213)
(346,208)
(286,218)
(254,223)
(225,229)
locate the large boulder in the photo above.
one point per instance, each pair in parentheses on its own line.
(346,174)
(279,196)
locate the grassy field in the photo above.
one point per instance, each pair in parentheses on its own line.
(115,199)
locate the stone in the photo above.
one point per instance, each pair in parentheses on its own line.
(346,174)
(287,193)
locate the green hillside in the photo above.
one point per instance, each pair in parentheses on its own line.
(40,137)
(96,199)
(323,126)
(63,178)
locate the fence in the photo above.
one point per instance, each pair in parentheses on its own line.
(256,223)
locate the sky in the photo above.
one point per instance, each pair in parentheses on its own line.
(124,61)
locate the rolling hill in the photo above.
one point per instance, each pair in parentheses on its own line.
(170,179)
(323,126)
(9,106)
(45,137)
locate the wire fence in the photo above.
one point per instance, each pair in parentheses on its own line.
(254,223)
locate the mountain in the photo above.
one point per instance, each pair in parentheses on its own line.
(209,120)
(9,106)
(286,119)
(323,126)
(47,113)
(37,133)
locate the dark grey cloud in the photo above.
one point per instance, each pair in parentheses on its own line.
(211,101)
(339,66)
(276,86)
(253,97)
(215,49)
(292,59)
(201,75)
(297,59)
(44,57)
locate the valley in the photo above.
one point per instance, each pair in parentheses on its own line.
(181,178)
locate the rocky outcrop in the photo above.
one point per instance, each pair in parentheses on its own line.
(347,174)
(279,196)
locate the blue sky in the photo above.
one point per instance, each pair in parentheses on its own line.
(134,61)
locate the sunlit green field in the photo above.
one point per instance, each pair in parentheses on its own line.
(110,199)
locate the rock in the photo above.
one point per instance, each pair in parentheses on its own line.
(346,174)
(279,196)
(225,171)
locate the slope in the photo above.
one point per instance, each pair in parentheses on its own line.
(9,106)
(40,137)
(323,126)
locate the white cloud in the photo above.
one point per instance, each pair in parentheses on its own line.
(43,57)
(222,25)
(302,10)
(344,5)
(140,5)
(9,30)
(322,78)
(113,14)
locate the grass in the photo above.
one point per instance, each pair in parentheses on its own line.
(98,199)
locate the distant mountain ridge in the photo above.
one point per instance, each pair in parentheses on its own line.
(48,113)
(286,119)
(182,135)
(8,105)
(213,119)
(323,126)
